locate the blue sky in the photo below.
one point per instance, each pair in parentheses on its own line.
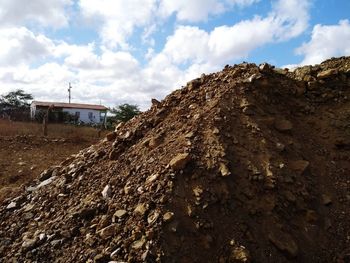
(118,51)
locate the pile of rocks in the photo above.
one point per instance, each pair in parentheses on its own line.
(248,164)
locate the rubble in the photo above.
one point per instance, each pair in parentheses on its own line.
(249,164)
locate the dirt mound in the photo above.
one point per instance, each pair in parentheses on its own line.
(248,164)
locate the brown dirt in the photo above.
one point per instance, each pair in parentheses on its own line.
(24,153)
(250,164)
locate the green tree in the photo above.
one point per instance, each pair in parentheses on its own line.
(15,100)
(124,112)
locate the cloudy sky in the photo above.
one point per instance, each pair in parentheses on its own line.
(129,51)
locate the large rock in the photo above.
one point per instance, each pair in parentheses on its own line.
(284,242)
(120,213)
(179,161)
(240,255)
(107,191)
(29,243)
(168,216)
(194,84)
(11,205)
(141,209)
(108,231)
(224,169)
(327,73)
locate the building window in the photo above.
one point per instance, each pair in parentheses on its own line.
(90,116)
(77,114)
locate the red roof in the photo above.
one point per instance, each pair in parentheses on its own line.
(69,105)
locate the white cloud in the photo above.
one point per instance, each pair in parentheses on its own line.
(235,42)
(45,82)
(326,41)
(223,44)
(109,76)
(111,85)
(51,75)
(107,67)
(82,57)
(19,45)
(291,17)
(194,10)
(46,13)
(187,44)
(199,10)
(119,18)
(147,35)
(242,3)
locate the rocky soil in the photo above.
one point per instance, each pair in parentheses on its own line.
(23,157)
(250,164)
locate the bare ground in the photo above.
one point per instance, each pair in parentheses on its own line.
(25,153)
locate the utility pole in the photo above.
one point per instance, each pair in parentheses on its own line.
(69,92)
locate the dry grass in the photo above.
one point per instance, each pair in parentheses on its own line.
(10,128)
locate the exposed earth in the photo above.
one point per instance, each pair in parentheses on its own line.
(250,164)
(23,157)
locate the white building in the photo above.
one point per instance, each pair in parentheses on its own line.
(87,113)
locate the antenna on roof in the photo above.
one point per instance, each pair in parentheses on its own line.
(69,88)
